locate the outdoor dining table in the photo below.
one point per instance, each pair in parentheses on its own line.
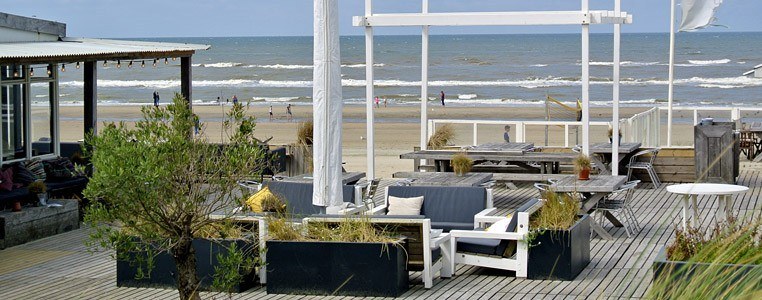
(594,189)
(346,178)
(603,150)
(448,179)
(724,193)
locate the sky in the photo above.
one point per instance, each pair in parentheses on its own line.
(212,18)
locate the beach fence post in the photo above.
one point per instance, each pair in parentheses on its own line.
(566,135)
(476,134)
(369,91)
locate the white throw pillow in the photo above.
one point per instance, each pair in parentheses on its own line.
(499,226)
(405,206)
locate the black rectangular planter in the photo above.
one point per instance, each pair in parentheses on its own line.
(164,271)
(336,268)
(670,270)
(560,254)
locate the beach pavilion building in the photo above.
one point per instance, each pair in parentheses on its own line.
(34,51)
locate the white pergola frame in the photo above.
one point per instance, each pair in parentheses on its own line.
(584,17)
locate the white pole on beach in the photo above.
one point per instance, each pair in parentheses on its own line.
(670,89)
(371,157)
(424,77)
(586,81)
(615,96)
(327,106)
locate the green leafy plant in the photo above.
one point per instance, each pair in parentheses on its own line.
(693,244)
(273,203)
(461,163)
(154,187)
(37,187)
(232,268)
(442,136)
(582,162)
(359,230)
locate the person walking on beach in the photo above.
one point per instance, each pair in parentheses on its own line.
(288,112)
(196,123)
(156,98)
(271,112)
(384,102)
(507,134)
(235,99)
(377,106)
(442,95)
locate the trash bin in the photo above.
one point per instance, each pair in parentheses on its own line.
(716,152)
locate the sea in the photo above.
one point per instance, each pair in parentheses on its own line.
(472,70)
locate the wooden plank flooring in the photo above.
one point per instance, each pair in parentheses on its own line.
(619,268)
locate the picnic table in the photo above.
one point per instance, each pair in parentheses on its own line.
(447,179)
(594,190)
(346,178)
(602,155)
(548,161)
(505,147)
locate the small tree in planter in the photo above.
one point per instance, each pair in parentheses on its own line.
(353,258)
(725,264)
(559,239)
(582,166)
(461,164)
(39,189)
(154,186)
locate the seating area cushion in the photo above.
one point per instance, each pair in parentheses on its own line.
(6,179)
(255,201)
(476,245)
(13,195)
(58,185)
(507,247)
(499,226)
(298,196)
(447,226)
(37,169)
(446,205)
(21,174)
(405,206)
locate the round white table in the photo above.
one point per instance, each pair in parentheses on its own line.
(724,193)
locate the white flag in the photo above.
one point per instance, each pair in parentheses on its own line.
(698,14)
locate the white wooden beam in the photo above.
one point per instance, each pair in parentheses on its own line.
(493,18)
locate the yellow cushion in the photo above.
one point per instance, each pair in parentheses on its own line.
(255,201)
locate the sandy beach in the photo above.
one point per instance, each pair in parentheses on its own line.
(397,129)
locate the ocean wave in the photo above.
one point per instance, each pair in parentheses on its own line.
(625,63)
(538,65)
(304,67)
(219,65)
(274,99)
(467,96)
(709,62)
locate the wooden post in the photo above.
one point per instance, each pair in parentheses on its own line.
(186,78)
(91,97)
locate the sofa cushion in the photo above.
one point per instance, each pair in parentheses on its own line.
(508,247)
(255,201)
(481,246)
(447,226)
(13,195)
(405,206)
(298,196)
(21,175)
(6,179)
(446,203)
(57,185)
(36,167)
(499,226)
(60,168)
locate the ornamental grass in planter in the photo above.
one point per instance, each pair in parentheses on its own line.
(352,258)
(582,166)
(442,136)
(559,239)
(726,263)
(461,163)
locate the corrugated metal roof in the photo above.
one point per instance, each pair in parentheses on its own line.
(84,47)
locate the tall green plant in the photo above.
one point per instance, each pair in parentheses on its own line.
(154,186)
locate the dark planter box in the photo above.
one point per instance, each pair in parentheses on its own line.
(336,268)
(163,273)
(560,254)
(683,271)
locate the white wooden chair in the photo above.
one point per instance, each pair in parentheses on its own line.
(493,249)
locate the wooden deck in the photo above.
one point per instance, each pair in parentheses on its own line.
(60,267)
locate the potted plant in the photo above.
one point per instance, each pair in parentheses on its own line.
(38,188)
(726,265)
(582,166)
(442,136)
(461,164)
(351,258)
(559,243)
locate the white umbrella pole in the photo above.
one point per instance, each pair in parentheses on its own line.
(327,106)
(671,79)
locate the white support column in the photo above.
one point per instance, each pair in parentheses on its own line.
(424,77)
(476,134)
(586,81)
(670,89)
(370,142)
(615,96)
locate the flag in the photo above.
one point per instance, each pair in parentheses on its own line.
(698,14)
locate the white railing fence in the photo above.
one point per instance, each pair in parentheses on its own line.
(642,127)
(519,126)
